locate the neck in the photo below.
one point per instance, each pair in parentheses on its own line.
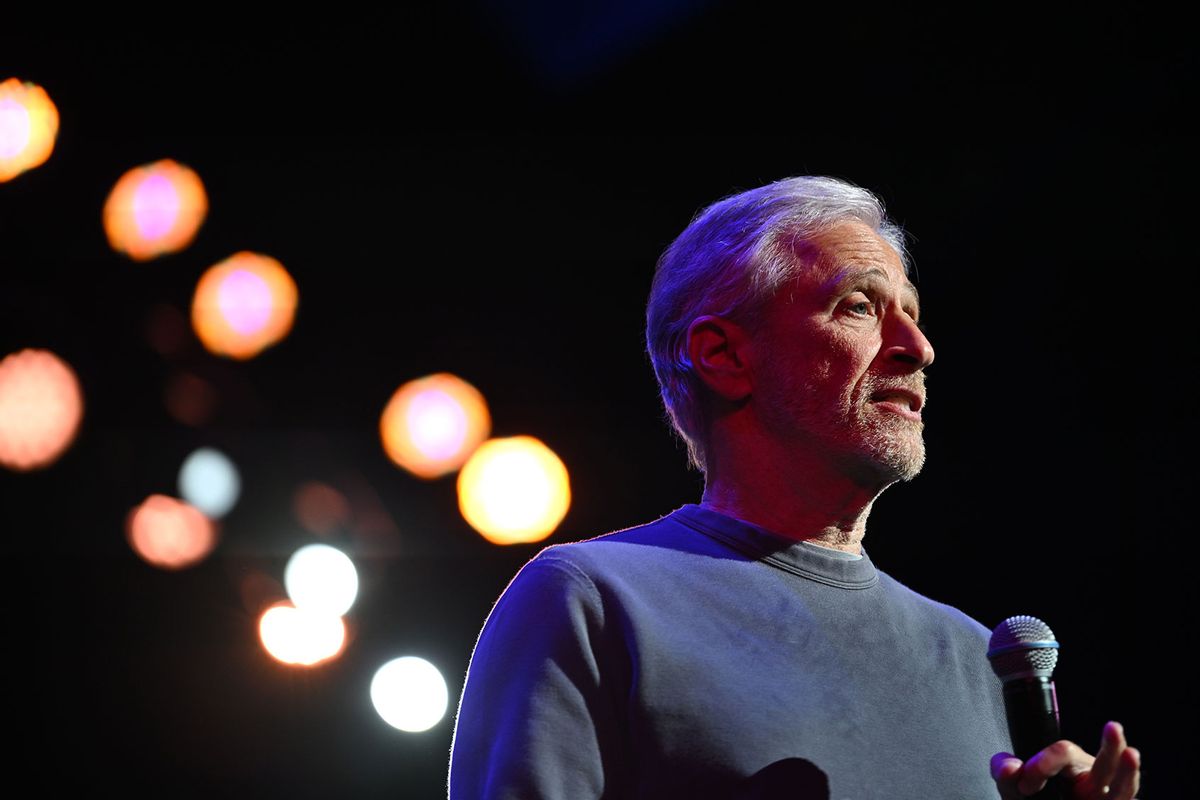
(810,502)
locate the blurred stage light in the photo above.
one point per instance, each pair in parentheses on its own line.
(410,694)
(433,424)
(190,399)
(28,127)
(300,638)
(169,533)
(321,579)
(154,209)
(244,305)
(320,508)
(210,482)
(514,490)
(41,406)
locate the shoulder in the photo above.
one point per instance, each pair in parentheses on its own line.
(569,575)
(617,573)
(940,615)
(629,548)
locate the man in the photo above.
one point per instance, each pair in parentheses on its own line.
(747,646)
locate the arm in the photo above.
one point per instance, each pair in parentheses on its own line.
(537,718)
(1114,774)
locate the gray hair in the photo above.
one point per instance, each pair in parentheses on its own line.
(731,259)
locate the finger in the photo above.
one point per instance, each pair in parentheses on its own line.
(1005,769)
(1051,761)
(1128,777)
(1112,745)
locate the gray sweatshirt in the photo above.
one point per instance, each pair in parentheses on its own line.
(700,656)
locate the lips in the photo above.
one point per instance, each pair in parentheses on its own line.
(904,397)
(903,402)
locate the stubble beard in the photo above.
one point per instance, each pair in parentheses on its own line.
(874,445)
(896,446)
(891,444)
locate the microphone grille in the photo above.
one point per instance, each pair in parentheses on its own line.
(1023,647)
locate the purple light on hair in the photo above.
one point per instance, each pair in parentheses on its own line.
(155,206)
(437,424)
(245,301)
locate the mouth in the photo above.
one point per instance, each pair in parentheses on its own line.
(904,402)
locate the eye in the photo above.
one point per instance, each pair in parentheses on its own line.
(859,307)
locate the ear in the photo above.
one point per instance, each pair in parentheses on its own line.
(719,352)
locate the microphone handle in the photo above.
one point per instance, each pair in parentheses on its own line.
(1032,710)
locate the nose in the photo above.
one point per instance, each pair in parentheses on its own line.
(906,345)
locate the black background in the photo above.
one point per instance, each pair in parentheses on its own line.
(484,190)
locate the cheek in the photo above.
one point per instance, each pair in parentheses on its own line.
(850,358)
(822,372)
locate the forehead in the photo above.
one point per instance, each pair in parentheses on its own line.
(848,256)
(845,256)
(850,247)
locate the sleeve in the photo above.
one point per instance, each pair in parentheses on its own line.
(539,716)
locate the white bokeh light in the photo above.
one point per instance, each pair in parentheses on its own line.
(301,638)
(210,482)
(410,694)
(322,579)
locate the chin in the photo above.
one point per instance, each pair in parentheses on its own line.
(893,459)
(909,468)
(882,469)
(879,454)
(904,463)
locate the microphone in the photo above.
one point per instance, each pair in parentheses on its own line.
(1023,653)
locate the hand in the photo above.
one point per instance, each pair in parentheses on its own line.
(1114,774)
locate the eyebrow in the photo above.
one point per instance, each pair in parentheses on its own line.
(874,272)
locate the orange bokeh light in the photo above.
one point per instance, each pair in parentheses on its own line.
(169,533)
(243,305)
(300,638)
(41,406)
(28,127)
(433,424)
(514,490)
(155,209)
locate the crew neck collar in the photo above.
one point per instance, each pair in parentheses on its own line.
(800,558)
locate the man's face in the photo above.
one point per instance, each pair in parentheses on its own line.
(839,359)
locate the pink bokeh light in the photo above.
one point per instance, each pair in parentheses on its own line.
(245,301)
(155,206)
(437,424)
(15,128)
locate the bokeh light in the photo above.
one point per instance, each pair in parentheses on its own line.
(514,490)
(321,579)
(299,637)
(190,399)
(169,533)
(243,305)
(28,127)
(41,406)
(321,508)
(155,209)
(432,425)
(409,693)
(210,482)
